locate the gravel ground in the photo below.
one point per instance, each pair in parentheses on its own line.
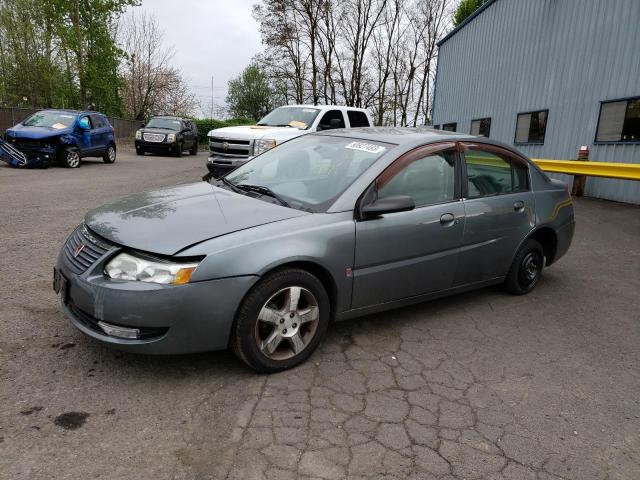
(482,385)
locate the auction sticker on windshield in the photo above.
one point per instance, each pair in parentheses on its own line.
(366,147)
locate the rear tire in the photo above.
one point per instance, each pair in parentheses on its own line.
(526,269)
(110,154)
(281,321)
(194,149)
(70,157)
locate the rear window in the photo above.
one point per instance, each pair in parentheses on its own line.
(358,119)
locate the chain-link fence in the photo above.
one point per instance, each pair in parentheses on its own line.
(9,116)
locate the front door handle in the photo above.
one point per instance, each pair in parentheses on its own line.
(447,219)
(519,205)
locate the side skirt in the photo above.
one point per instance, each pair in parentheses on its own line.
(381,307)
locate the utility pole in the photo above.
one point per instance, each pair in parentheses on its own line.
(211,114)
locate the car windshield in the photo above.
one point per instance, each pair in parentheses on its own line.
(296,117)
(311,171)
(57,120)
(168,123)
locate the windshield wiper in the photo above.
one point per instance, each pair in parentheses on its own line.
(263,190)
(226,182)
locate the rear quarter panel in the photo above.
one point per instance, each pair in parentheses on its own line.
(554,209)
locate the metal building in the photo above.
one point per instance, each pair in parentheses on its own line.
(548,76)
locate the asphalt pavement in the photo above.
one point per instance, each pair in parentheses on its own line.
(481,385)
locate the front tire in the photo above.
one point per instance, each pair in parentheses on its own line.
(110,154)
(526,269)
(281,321)
(194,149)
(178,150)
(70,157)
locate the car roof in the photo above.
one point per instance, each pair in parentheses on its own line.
(68,110)
(167,116)
(399,135)
(326,107)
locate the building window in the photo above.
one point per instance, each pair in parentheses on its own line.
(449,127)
(481,126)
(531,127)
(619,121)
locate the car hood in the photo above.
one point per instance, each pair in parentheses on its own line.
(36,133)
(169,220)
(252,132)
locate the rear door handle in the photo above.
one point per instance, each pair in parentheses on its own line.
(447,218)
(519,205)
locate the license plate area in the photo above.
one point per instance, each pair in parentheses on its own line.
(60,285)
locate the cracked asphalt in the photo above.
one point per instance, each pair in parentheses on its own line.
(479,386)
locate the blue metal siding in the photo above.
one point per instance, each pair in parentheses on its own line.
(562,55)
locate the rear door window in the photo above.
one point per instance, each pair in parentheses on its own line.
(358,119)
(331,119)
(491,173)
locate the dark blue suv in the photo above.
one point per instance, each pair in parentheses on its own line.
(66,136)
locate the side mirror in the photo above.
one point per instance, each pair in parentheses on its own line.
(335,123)
(397,203)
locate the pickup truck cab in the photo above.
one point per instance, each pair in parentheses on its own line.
(231,147)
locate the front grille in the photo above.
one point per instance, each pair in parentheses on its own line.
(83,250)
(229,147)
(26,145)
(153,137)
(91,322)
(237,142)
(229,151)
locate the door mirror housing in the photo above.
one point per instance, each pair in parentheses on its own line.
(396,203)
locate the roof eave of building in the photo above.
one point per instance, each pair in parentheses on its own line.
(467,20)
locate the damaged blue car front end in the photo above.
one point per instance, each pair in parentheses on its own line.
(42,143)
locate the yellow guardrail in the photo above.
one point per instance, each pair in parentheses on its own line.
(625,171)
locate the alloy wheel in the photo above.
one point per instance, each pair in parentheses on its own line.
(287,323)
(73,159)
(112,154)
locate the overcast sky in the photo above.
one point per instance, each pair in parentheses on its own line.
(211,38)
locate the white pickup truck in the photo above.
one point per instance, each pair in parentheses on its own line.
(230,147)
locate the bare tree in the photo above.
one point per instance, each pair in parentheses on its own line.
(150,86)
(377,54)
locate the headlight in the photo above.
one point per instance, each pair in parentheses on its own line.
(138,134)
(129,267)
(261,146)
(171,137)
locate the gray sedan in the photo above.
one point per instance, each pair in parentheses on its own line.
(322,228)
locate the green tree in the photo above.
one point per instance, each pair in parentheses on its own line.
(250,94)
(85,31)
(61,53)
(465,9)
